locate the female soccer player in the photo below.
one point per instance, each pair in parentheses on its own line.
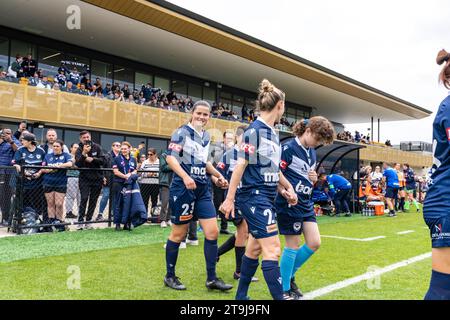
(190,197)
(436,208)
(298,162)
(258,167)
(410,179)
(237,241)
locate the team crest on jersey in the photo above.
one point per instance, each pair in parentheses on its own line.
(297,226)
(38,156)
(175,198)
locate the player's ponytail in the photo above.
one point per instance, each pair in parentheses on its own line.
(444,75)
(319,126)
(268,96)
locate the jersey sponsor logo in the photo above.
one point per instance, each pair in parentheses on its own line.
(301,188)
(175,147)
(198,171)
(185,218)
(283,164)
(271,177)
(248,148)
(272,228)
(448,133)
(221,165)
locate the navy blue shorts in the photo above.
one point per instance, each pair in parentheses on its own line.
(259,212)
(439,231)
(391,193)
(190,204)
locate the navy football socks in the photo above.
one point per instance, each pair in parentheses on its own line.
(248,270)
(439,286)
(171,257)
(210,250)
(271,272)
(239,253)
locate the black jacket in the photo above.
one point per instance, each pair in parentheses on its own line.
(98,162)
(165,173)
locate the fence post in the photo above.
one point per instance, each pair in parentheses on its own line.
(111,197)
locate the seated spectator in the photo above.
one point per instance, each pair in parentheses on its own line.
(70,88)
(126,91)
(107,90)
(115,87)
(34,80)
(93,90)
(366,192)
(153,102)
(118,96)
(130,99)
(43,83)
(83,91)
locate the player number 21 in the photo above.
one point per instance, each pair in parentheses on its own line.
(186,208)
(268,212)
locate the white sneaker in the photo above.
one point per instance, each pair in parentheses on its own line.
(192,242)
(169,223)
(163,224)
(183,245)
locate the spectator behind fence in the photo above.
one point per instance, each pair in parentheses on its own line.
(124,166)
(89,155)
(51,136)
(55,181)
(73,189)
(149,179)
(20,129)
(165,178)
(107,182)
(8,146)
(31,184)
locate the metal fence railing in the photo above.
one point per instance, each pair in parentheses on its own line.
(40,198)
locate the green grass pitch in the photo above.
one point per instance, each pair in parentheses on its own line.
(131,265)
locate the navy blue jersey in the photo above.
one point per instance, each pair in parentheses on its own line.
(391,178)
(227,164)
(191,148)
(436,201)
(409,178)
(296,162)
(337,182)
(124,165)
(57,178)
(261,148)
(24,157)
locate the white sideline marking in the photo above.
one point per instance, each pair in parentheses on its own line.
(354,239)
(368,275)
(405,232)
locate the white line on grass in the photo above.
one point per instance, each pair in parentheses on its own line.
(354,239)
(368,275)
(405,232)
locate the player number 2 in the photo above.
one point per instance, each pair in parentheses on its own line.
(186,209)
(268,212)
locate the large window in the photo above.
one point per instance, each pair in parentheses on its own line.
(124,76)
(101,70)
(71,136)
(108,139)
(180,88)
(162,83)
(74,61)
(209,94)
(4,47)
(195,92)
(159,144)
(141,79)
(22,48)
(49,61)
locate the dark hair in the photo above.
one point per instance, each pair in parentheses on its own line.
(60,142)
(152,150)
(82,133)
(268,96)
(74,144)
(444,75)
(321,127)
(407,165)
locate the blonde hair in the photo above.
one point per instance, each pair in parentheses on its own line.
(320,127)
(127,144)
(268,96)
(444,75)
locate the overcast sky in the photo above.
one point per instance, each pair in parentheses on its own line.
(390,45)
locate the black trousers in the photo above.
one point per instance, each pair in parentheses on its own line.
(89,191)
(218,198)
(149,191)
(6,193)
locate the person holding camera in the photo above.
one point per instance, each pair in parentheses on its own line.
(89,155)
(8,146)
(31,155)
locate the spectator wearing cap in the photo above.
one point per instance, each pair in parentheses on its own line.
(31,183)
(8,146)
(29,66)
